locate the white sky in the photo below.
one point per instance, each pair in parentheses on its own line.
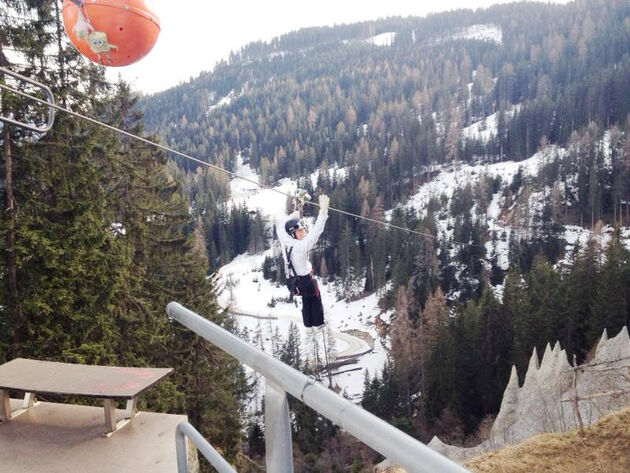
(196,34)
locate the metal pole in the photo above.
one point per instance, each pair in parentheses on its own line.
(183,430)
(394,444)
(278,446)
(181,450)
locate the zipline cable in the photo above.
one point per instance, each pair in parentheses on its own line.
(217,168)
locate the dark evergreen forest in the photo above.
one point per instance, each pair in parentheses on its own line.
(97,239)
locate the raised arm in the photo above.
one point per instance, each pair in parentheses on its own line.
(318,228)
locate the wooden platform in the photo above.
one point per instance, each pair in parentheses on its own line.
(63,438)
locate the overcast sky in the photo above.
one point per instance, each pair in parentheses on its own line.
(196,34)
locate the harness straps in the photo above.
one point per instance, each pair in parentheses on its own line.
(292,281)
(290,263)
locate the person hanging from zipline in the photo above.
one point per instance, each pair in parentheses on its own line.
(296,241)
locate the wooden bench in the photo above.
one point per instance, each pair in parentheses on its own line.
(110,383)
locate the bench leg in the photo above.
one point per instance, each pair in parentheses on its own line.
(29,400)
(5,405)
(111,425)
(131,408)
(110,416)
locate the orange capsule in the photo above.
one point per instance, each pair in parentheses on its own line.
(111,32)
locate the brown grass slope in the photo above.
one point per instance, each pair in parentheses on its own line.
(604,448)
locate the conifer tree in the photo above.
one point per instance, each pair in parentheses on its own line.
(581,290)
(543,290)
(493,350)
(103,242)
(517,309)
(611,303)
(61,257)
(407,347)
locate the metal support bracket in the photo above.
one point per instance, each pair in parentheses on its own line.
(111,424)
(49,98)
(132,408)
(29,400)
(5,405)
(278,444)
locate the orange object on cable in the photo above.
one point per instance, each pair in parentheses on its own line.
(111,32)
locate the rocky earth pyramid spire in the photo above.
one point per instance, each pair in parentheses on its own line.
(544,402)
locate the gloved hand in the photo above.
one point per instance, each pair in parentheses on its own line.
(324,200)
(302,196)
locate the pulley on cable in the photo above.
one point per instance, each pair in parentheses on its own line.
(111,32)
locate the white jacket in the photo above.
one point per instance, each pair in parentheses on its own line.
(299,254)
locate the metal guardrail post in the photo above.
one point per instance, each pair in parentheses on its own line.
(278,446)
(184,429)
(49,98)
(412,455)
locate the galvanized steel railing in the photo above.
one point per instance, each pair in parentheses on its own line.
(184,430)
(49,98)
(281,379)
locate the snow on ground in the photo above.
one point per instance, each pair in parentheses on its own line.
(384,39)
(484,130)
(247,292)
(576,235)
(269,201)
(249,295)
(487,32)
(334,172)
(458,175)
(223,102)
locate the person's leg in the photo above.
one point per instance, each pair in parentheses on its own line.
(317,308)
(317,312)
(307,346)
(307,309)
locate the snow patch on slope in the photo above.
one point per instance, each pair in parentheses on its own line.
(383,39)
(486,129)
(223,102)
(487,32)
(270,202)
(263,307)
(456,176)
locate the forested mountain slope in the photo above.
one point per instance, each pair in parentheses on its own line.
(326,96)
(410,120)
